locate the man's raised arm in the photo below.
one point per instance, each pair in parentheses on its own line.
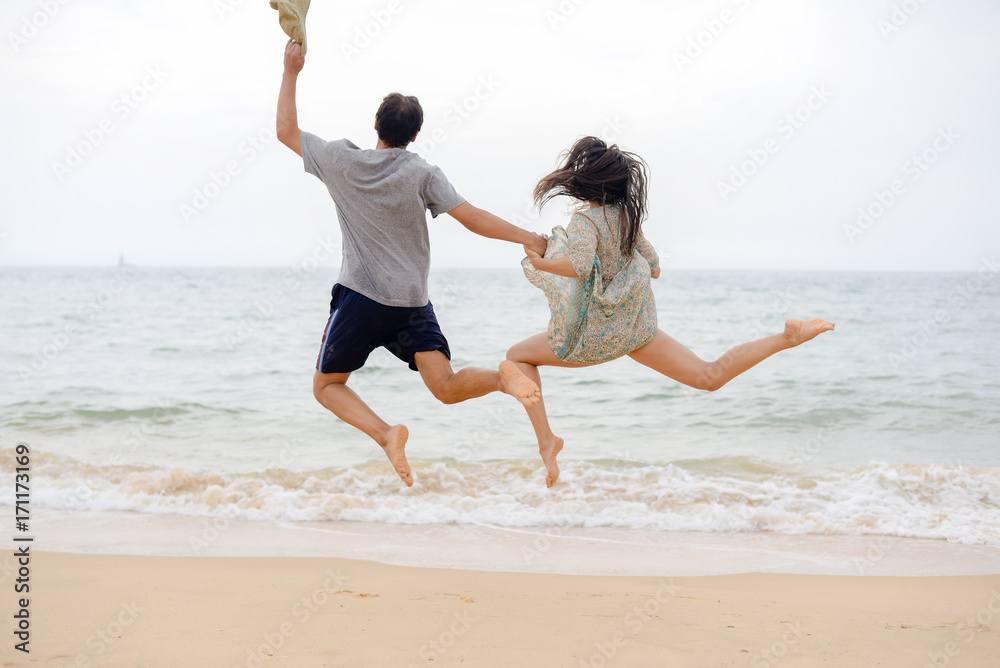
(288,118)
(485,224)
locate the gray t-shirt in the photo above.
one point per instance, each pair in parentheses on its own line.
(382,196)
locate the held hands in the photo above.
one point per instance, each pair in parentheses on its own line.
(532,254)
(294,61)
(536,249)
(656,274)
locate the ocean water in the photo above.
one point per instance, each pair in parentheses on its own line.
(188,392)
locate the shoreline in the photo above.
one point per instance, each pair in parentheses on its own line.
(119,610)
(481,547)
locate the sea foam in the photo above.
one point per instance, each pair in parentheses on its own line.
(723,495)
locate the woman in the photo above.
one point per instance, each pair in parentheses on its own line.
(596,275)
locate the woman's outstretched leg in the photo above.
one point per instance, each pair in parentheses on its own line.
(529,355)
(673,359)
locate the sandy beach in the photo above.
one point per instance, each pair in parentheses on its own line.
(110,610)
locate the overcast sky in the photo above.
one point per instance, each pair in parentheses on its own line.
(767,125)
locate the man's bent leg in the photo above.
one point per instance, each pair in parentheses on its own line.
(450,387)
(331,390)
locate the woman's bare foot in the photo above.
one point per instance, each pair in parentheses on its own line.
(517,385)
(798,332)
(548,453)
(395,451)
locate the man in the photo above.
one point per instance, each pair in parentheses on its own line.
(380,299)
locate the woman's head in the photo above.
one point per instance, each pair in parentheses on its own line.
(595,172)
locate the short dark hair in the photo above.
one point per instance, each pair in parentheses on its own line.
(398,119)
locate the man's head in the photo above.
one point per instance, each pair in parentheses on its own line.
(398,119)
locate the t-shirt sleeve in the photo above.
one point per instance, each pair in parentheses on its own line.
(439,194)
(582,249)
(317,155)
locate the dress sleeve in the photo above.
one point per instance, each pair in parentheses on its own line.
(582,235)
(647,251)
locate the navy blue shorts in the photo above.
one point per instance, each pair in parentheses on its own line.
(358,325)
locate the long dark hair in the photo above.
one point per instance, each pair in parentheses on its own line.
(596,172)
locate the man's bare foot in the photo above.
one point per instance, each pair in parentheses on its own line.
(395,451)
(517,385)
(799,331)
(548,453)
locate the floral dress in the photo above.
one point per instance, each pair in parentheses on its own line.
(609,311)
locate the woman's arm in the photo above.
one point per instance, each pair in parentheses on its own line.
(560,266)
(647,251)
(581,251)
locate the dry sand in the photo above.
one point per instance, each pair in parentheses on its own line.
(101,610)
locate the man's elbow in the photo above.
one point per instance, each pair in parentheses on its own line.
(286,133)
(290,138)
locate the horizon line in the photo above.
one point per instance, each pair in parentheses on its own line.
(488,268)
